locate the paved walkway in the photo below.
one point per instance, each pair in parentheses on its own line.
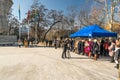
(46,64)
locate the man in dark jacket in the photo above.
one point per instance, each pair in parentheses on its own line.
(65,48)
(80,47)
(95,49)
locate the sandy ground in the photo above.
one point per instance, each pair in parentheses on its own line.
(42,63)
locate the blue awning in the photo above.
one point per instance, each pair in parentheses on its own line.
(93,31)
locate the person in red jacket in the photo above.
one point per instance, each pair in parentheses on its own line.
(105,47)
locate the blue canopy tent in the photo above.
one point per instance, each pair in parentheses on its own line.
(93,31)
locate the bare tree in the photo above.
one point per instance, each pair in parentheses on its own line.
(109,10)
(44,18)
(72,14)
(53,18)
(12,23)
(95,15)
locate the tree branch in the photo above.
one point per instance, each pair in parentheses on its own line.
(50,29)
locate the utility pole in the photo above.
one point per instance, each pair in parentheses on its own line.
(19,31)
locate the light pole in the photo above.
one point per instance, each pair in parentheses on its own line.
(19,22)
(19,31)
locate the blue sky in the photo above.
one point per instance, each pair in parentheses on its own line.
(24,7)
(50,4)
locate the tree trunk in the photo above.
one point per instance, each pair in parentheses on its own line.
(9,30)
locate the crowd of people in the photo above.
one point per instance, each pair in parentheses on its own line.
(94,48)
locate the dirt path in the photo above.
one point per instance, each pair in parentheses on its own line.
(46,64)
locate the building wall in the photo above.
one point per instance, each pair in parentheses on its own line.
(5,6)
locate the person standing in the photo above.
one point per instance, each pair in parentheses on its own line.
(72,44)
(79,47)
(55,43)
(82,47)
(95,49)
(86,48)
(46,41)
(111,49)
(105,45)
(90,46)
(19,43)
(65,47)
(25,43)
(102,47)
(64,50)
(117,53)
